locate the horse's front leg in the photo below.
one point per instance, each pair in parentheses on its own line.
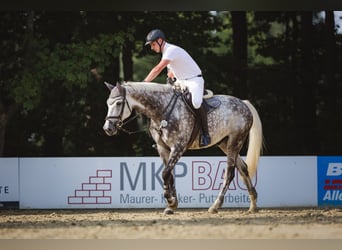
(169,185)
(170,192)
(170,154)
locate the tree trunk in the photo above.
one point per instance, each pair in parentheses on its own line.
(330,61)
(330,115)
(239,24)
(304,96)
(6,114)
(127,60)
(3,123)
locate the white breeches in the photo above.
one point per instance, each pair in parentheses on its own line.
(196,87)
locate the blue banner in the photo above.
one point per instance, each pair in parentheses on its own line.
(329,173)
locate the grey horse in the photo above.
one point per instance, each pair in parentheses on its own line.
(172,124)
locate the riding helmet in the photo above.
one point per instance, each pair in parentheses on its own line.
(154,35)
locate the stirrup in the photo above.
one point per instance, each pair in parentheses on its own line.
(205,140)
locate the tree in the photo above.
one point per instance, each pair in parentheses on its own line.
(331,108)
(69,59)
(50,104)
(57,89)
(239,26)
(16,51)
(305,89)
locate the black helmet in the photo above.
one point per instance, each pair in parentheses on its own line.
(154,35)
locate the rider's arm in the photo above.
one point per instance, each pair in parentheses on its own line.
(156,70)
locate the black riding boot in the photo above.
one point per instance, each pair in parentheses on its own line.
(202,116)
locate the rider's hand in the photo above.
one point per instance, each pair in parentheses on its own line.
(183,86)
(180,86)
(171,80)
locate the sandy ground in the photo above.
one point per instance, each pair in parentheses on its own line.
(304,223)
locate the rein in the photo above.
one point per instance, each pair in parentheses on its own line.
(172,103)
(120,126)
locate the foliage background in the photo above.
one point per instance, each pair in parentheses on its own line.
(287,63)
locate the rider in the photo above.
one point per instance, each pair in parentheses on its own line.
(181,66)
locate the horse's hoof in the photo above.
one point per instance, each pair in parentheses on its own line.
(252,210)
(173,204)
(213,210)
(168,211)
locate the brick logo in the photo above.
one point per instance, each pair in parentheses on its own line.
(95,190)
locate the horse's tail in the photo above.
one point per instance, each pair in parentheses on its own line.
(255,141)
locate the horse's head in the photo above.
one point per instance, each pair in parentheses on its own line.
(118,109)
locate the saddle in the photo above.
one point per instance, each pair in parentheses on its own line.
(210,103)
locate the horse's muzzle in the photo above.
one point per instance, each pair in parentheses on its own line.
(110,128)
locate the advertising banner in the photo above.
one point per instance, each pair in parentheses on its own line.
(136,182)
(329,171)
(9,181)
(287,181)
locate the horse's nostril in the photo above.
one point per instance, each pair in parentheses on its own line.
(108,129)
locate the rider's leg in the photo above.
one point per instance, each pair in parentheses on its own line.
(201,113)
(196,88)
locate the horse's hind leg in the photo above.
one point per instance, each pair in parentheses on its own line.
(243,170)
(226,147)
(229,176)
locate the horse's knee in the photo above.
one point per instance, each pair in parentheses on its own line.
(166,174)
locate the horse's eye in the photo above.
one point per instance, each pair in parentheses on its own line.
(119,103)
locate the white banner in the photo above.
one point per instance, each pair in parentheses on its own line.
(120,182)
(9,180)
(287,181)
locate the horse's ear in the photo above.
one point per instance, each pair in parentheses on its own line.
(118,85)
(109,86)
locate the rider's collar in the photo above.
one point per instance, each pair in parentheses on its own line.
(164,47)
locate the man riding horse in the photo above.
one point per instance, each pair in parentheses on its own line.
(183,69)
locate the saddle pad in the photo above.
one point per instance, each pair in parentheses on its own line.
(211,103)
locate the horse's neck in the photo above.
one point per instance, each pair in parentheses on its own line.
(149,101)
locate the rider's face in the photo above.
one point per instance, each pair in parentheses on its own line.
(155,46)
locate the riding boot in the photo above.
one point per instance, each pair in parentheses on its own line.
(201,113)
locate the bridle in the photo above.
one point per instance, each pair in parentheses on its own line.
(120,123)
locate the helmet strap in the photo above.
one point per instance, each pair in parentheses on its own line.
(160,44)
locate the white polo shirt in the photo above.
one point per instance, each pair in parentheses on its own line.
(181,63)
